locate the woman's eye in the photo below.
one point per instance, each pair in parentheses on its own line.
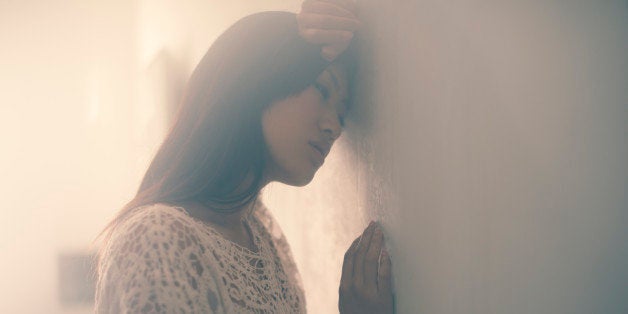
(342,121)
(323,90)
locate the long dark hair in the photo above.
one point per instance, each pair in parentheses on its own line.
(216,140)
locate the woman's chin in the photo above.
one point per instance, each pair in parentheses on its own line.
(302,178)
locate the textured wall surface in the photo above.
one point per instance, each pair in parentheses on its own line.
(491,140)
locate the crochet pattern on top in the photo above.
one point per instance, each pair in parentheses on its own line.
(162,260)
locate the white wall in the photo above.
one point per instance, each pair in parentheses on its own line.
(491,141)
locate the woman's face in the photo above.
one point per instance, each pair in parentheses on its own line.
(300,130)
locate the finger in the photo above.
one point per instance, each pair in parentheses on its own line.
(325,21)
(371,259)
(332,51)
(358,264)
(350,5)
(384,277)
(323,7)
(325,36)
(347,265)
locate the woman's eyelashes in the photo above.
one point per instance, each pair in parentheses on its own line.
(323,90)
(325,93)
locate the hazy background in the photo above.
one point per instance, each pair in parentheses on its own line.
(489,137)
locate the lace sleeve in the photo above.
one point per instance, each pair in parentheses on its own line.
(152,265)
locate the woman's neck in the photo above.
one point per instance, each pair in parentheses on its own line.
(232,220)
(236,216)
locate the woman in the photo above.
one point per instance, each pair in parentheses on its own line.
(264,104)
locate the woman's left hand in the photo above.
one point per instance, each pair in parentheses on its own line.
(331,23)
(366,282)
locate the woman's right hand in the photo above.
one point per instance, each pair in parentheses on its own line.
(366,283)
(330,23)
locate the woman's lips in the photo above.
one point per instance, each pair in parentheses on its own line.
(318,155)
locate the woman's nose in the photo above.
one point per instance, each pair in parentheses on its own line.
(331,126)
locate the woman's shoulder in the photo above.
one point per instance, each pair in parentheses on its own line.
(157,214)
(154,224)
(154,251)
(157,211)
(156,232)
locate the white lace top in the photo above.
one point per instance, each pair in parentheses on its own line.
(162,260)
